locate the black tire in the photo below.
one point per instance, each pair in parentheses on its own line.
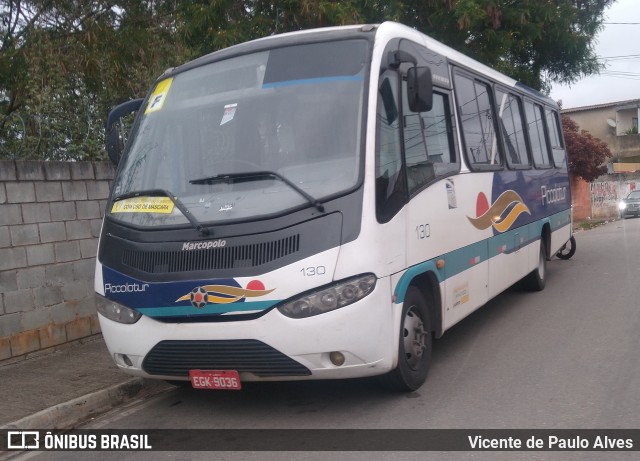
(414,345)
(537,279)
(568,250)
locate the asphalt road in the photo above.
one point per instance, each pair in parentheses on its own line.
(568,357)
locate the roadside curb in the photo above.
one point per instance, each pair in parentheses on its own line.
(67,414)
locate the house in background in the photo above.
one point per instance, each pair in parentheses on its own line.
(616,124)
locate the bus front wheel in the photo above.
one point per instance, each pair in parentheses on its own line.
(414,346)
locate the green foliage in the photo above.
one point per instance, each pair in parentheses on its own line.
(535,42)
(63,64)
(209,25)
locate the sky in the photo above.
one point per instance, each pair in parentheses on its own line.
(620,80)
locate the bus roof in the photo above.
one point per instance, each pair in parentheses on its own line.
(369,31)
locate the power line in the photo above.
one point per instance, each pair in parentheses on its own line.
(621,72)
(623,75)
(623,57)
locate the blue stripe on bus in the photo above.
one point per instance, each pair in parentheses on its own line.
(209,309)
(462,259)
(314,81)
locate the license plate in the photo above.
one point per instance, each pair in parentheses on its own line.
(215,379)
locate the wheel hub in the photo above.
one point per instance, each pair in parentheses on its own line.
(415,337)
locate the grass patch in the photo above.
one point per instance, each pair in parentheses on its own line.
(590,224)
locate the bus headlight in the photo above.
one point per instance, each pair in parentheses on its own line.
(622,205)
(330,298)
(116,312)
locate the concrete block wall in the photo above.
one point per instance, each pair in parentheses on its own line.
(50,219)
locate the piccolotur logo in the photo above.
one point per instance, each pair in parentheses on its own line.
(553,195)
(126,288)
(224,294)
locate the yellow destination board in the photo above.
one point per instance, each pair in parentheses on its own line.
(143,205)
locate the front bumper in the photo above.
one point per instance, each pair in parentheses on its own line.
(271,347)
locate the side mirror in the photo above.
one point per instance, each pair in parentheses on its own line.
(115,143)
(420,89)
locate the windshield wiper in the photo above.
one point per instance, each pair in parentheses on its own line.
(176,201)
(256,175)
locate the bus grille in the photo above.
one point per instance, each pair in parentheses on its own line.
(176,358)
(231,257)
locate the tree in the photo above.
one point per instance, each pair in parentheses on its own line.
(41,96)
(535,42)
(586,154)
(64,63)
(209,25)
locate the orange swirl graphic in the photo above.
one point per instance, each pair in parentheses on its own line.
(488,218)
(233,294)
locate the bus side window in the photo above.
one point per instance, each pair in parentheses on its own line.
(537,138)
(477,120)
(510,114)
(419,168)
(428,144)
(390,190)
(428,136)
(438,130)
(557,147)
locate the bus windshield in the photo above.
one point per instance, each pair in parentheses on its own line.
(293,112)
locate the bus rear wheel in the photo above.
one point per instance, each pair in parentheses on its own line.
(414,346)
(537,279)
(568,249)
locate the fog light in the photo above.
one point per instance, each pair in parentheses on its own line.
(122,359)
(337,358)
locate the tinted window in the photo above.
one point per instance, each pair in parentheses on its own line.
(438,131)
(315,61)
(419,169)
(555,137)
(390,194)
(537,137)
(477,120)
(428,144)
(510,113)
